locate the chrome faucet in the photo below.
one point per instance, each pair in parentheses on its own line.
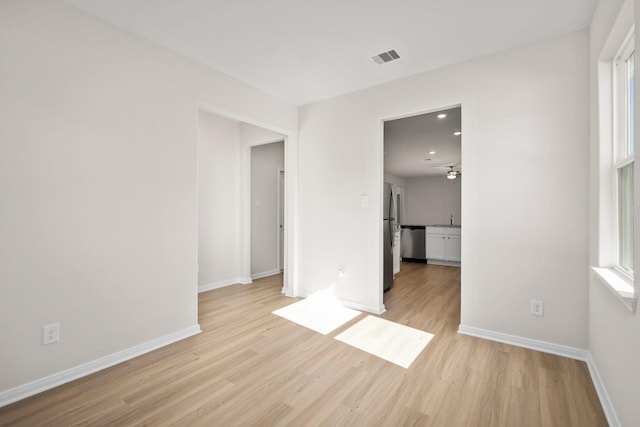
(451,220)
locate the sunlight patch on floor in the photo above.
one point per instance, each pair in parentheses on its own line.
(393,342)
(320,312)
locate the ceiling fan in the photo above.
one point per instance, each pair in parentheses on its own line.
(453,174)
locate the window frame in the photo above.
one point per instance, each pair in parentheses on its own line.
(623,144)
(606,242)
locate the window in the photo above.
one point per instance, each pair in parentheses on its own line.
(616,166)
(624,130)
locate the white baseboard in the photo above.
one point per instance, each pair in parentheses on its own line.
(38,386)
(543,346)
(607,406)
(559,350)
(223,283)
(363,307)
(445,263)
(265,274)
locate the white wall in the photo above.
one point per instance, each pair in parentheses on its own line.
(614,331)
(98,176)
(218,200)
(526,115)
(266,161)
(251,135)
(432,200)
(395,180)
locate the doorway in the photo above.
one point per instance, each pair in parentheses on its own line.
(267,209)
(423,164)
(225,202)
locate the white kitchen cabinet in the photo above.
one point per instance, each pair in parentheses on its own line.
(436,240)
(452,248)
(443,243)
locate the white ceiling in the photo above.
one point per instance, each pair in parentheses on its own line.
(307,50)
(409,141)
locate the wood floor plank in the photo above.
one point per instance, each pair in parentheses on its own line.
(251,367)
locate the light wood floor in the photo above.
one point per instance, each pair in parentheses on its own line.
(250,367)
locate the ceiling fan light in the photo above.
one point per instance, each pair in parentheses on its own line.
(451,175)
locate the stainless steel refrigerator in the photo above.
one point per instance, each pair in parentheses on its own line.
(388,230)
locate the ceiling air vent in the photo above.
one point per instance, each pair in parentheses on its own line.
(385,57)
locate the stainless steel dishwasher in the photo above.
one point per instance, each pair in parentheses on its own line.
(413,246)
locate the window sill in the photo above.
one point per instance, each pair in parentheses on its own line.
(621,286)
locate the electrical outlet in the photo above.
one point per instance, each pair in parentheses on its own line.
(537,307)
(50,333)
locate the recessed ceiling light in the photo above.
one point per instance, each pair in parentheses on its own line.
(432,152)
(457,133)
(442,115)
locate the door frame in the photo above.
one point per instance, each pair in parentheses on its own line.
(245,203)
(381,122)
(281,185)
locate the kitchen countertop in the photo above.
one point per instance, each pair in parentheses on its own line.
(431,225)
